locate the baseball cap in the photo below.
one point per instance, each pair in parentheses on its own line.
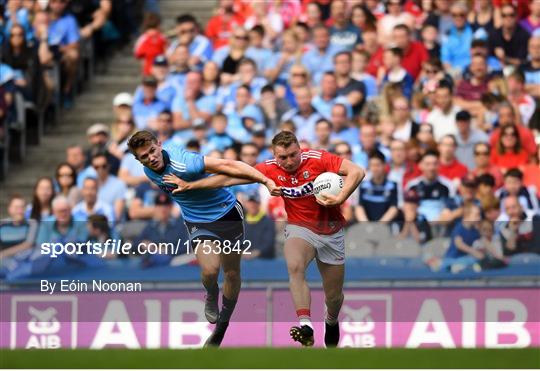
(123,99)
(161,61)
(254,196)
(162,199)
(97,129)
(411,196)
(463,116)
(469,181)
(149,80)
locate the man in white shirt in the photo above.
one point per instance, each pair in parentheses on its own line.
(443,116)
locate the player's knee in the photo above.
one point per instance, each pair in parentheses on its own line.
(334,299)
(295,269)
(209,273)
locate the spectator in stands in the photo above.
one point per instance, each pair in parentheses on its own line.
(98,138)
(66,183)
(243,116)
(455,50)
(210,79)
(490,246)
(222,25)
(228,58)
(25,62)
(273,107)
(199,47)
(121,131)
(433,190)
(461,253)
(368,144)
(397,165)
(319,59)
(40,208)
(163,228)
(99,231)
(265,16)
(483,166)
(443,115)
(329,96)
(393,17)
(111,190)
(449,166)
(531,173)
(431,75)
(467,138)
(507,117)
(191,104)
(378,197)
(429,36)
(151,43)
(411,224)
(17,233)
(360,59)
(520,232)
(486,186)
(90,203)
(509,151)
(247,75)
(149,107)
(166,88)
(179,67)
(305,116)
(401,116)
(122,103)
(509,42)
(353,90)
(63,36)
(518,97)
(260,229)
(362,18)
(469,91)
(453,210)
(76,157)
(257,51)
(323,130)
(342,128)
(142,206)
(393,72)
(279,69)
(414,52)
(513,186)
(219,139)
(531,68)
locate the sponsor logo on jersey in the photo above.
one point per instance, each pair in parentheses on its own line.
(294,180)
(306,174)
(297,192)
(281,178)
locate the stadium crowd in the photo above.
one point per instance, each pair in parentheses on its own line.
(439,100)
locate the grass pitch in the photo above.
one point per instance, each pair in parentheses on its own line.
(250,358)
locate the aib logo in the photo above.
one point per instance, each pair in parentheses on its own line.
(45,323)
(366,321)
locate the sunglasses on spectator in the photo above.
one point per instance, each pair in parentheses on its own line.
(102,166)
(430,70)
(508,15)
(481,153)
(299,74)
(425,130)
(458,15)
(240,37)
(343,153)
(510,134)
(17,34)
(186,31)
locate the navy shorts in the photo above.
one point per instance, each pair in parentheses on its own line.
(230,227)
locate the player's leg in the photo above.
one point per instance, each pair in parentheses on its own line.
(330,261)
(209,261)
(332,278)
(298,254)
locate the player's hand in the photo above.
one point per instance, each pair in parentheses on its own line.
(272,188)
(181,186)
(329,200)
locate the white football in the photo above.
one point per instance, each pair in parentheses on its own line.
(329,183)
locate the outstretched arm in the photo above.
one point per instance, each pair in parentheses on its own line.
(237,169)
(211,182)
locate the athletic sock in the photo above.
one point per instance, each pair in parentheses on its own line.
(212,290)
(304,317)
(330,320)
(227,309)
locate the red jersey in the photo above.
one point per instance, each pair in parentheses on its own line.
(148,46)
(300,204)
(453,170)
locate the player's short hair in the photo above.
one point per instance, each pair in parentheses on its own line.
(284,139)
(141,139)
(514,173)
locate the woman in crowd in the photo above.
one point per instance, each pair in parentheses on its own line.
(66,183)
(509,152)
(42,197)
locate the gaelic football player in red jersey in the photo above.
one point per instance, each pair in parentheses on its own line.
(314,227)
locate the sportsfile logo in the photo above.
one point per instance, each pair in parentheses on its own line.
(43,323)
(366,321)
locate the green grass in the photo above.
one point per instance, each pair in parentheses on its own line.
(272,358)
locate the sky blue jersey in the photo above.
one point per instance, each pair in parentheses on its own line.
(200,205)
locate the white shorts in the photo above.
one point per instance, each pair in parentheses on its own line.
(329,248)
